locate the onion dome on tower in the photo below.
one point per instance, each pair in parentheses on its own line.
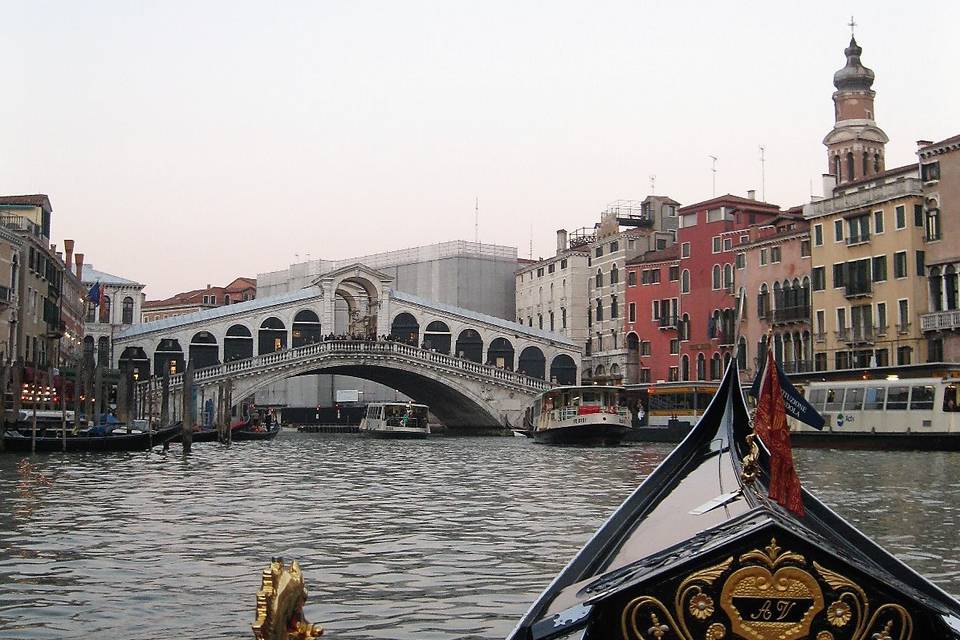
(855,145)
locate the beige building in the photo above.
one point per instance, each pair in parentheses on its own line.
(552,293)
(10,247)
(940,174)
(867,272)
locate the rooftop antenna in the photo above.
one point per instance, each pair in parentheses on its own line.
(714,170)
(531,242)
(476,221)
(653,184)
(763,174)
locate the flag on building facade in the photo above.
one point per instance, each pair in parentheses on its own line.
(795,404)
(94,294)
(770,423)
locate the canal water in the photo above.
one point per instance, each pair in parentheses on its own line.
(442,538)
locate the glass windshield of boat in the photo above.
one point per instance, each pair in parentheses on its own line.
(580,402)
(405,415)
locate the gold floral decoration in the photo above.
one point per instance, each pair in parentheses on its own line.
(824,635)
(838,613)
(701,606)
(717,631)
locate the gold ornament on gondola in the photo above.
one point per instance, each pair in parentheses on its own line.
(838,613)
(280,605)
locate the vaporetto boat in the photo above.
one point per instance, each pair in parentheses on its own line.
(396,420)
(588,415)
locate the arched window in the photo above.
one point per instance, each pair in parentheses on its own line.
(716,276)
(742,354)
(701,367)
(614,275)
(849,166)
(127,313)
(614,308)
(866,163)
(563,317)
(936,289)
(715,367)
(552,327)
(763,301)
(226,298)
(950,282)
(836,167)
(685,367)
(685,281)
(540,321)
(876,163)
(777,296)
(599,278)
(685,327)
(728,277)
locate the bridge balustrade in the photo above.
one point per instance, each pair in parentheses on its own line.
(347,347)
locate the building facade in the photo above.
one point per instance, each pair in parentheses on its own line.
(940,177)
(627,228)
(240,290)
(708,236)
(120,305)
(652,324)
(772,269)
(552,293)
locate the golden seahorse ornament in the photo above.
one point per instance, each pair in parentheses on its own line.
(280,605)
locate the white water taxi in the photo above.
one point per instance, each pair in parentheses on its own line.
(395,420)
(591,415)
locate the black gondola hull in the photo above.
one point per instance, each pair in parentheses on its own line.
(20,443)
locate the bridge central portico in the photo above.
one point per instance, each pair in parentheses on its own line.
(472,369)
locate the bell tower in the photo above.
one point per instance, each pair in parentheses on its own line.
(855,146)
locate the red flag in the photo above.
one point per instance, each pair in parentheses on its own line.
(770,423)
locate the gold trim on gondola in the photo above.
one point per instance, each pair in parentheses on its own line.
(280,605)
(765,594)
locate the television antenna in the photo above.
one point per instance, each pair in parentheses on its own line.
(714,170)
(763,174)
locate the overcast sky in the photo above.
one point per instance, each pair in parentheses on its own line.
(185,143)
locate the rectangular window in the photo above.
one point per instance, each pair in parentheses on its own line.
(903,313)
(685,250)
(715,215)
(858,229)
(882,318)
(688,220)
(614,246)
(804,248)
(599,251)
(839,275)
(716,244)
(656,309)
(818,279)
(741,260)
(879,268)
(661,245)
(818,235)
(838,230)
(655,276)
(900,264)
(901,215)
(674,347)
(614,307)
(763,257)
(551,267)
(921,262)
(631,278)
(540,272)
(921,398)
(878,222)
(674,273)
(633,312)
(645,348)
(775,255)
(873,398)
(918,215)
(897,398)
(727,244)
(821,322)
(841,319)
(930,172)
(563,263)
(904,355)
(644,375)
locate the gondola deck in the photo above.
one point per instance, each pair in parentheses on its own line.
(698,552)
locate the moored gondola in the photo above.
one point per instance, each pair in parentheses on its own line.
(700,551)
(85,440)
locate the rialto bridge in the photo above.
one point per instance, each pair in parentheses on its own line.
(471,369)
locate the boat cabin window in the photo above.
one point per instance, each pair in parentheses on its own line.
(854,399)
(834,399)
(921,397)
(873,399)
(817,397)
(897,398)
(950,398)
(373,411)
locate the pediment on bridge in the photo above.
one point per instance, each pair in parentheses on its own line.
(355,270)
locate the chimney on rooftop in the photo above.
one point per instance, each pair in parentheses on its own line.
(561,240)
(68,258)
(924,143)
(829,183)
(752,194)
(79,258)
(208,285)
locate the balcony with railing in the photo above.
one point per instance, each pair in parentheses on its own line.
(903,328)
(669,322)
(860,335)
(858,289)
(798,366)
(940,321)
(787,315)
(862,238)
(843,334)
(863,198)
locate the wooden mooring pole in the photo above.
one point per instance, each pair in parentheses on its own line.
(186,433)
